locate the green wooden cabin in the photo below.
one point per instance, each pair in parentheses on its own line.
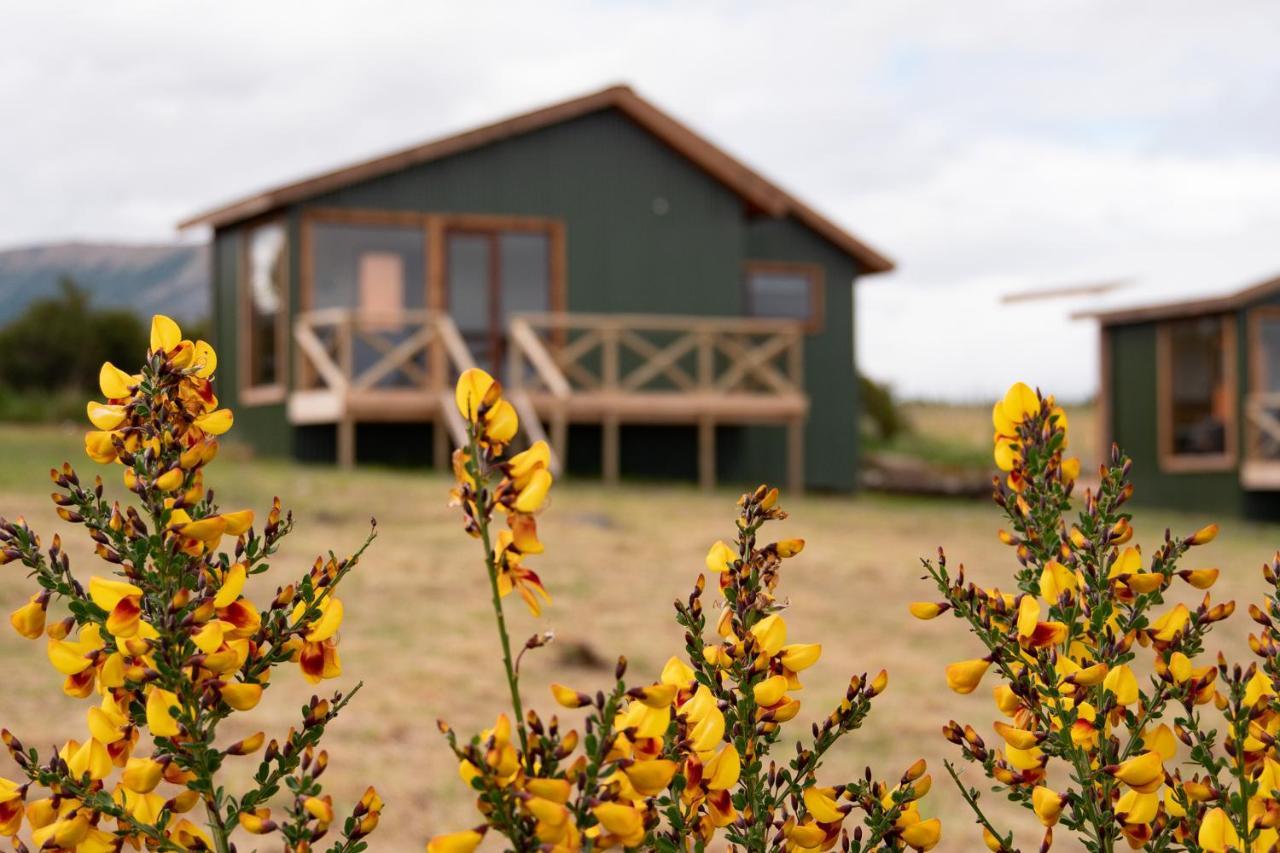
(653,306)
(1191,391)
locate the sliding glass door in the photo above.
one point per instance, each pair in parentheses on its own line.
(492,274)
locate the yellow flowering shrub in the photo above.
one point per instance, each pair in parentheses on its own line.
(681,762)
(165,643)
(1108,724)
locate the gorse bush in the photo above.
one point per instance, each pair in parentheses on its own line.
(679,761)
(168,646)
(1110,727)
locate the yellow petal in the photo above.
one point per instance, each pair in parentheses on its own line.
(720,558)
(114,382)
(472,388)
(241,696)
(165,334)
(232,586)
(206,360)
(159,720)
(217,422)
(107,593)
(105,416)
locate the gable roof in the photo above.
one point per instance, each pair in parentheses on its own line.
(1187,308)
(756,191)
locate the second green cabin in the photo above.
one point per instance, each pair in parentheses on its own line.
(1191,391)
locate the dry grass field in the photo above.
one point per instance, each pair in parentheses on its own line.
(418,632)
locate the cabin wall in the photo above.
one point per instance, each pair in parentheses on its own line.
(831,434)
(264,427)
(1134,413)
(607,180)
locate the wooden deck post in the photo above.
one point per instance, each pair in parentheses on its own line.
(609,449)
(560,435)
(795,456)
(706,453)
(346,441)
(440,454)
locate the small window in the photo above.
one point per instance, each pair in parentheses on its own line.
(1197,387)
(266,287)
(785,291)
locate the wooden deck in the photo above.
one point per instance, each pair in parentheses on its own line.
(606,369)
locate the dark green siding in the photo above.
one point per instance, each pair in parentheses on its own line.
(1133,427)
(600,174)
(607,179)
(831,435)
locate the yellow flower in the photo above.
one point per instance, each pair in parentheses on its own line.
(720,558)
(965,676)
(1217,835)
(28,620)
(1123,684)
(475,390)
(923,835)
(1047,804)
(160,720)
(1143,773)
(457,842)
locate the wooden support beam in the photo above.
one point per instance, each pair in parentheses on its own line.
(560,435)
(346,442)
(609,449)
(706,454)
(440,455)
(795,456)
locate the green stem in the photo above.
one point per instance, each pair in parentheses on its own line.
(221,835)
(483,519)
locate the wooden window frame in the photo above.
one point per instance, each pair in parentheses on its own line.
(434,228)
(1254,318)
(1190,463)
(817,289)
(1257,364)
(274,392)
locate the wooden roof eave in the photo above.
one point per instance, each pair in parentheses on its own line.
(757,192)
(1188,308)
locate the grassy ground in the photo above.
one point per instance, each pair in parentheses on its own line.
(418,630)
(952,437)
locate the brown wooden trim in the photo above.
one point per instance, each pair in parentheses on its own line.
(1106,430)
(756,191)
(1257,364)
(1188,308)
(817,288)
(1169,461)
(249,394)
(435,226)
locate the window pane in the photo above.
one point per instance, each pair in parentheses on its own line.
(1269,340)
(526,272)
(469,271)
(1198,387)
(267,270)
(779,294)
(365,266)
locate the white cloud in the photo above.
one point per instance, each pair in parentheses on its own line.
(988,146)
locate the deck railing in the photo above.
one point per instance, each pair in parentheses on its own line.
(639,353)
(344,354)
(659,368)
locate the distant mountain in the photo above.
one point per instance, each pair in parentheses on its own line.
(172,279)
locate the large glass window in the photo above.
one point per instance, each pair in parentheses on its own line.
(267,282)
(784,291)
(1198,388)
(378,269)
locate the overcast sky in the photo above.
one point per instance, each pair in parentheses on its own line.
(986,147)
